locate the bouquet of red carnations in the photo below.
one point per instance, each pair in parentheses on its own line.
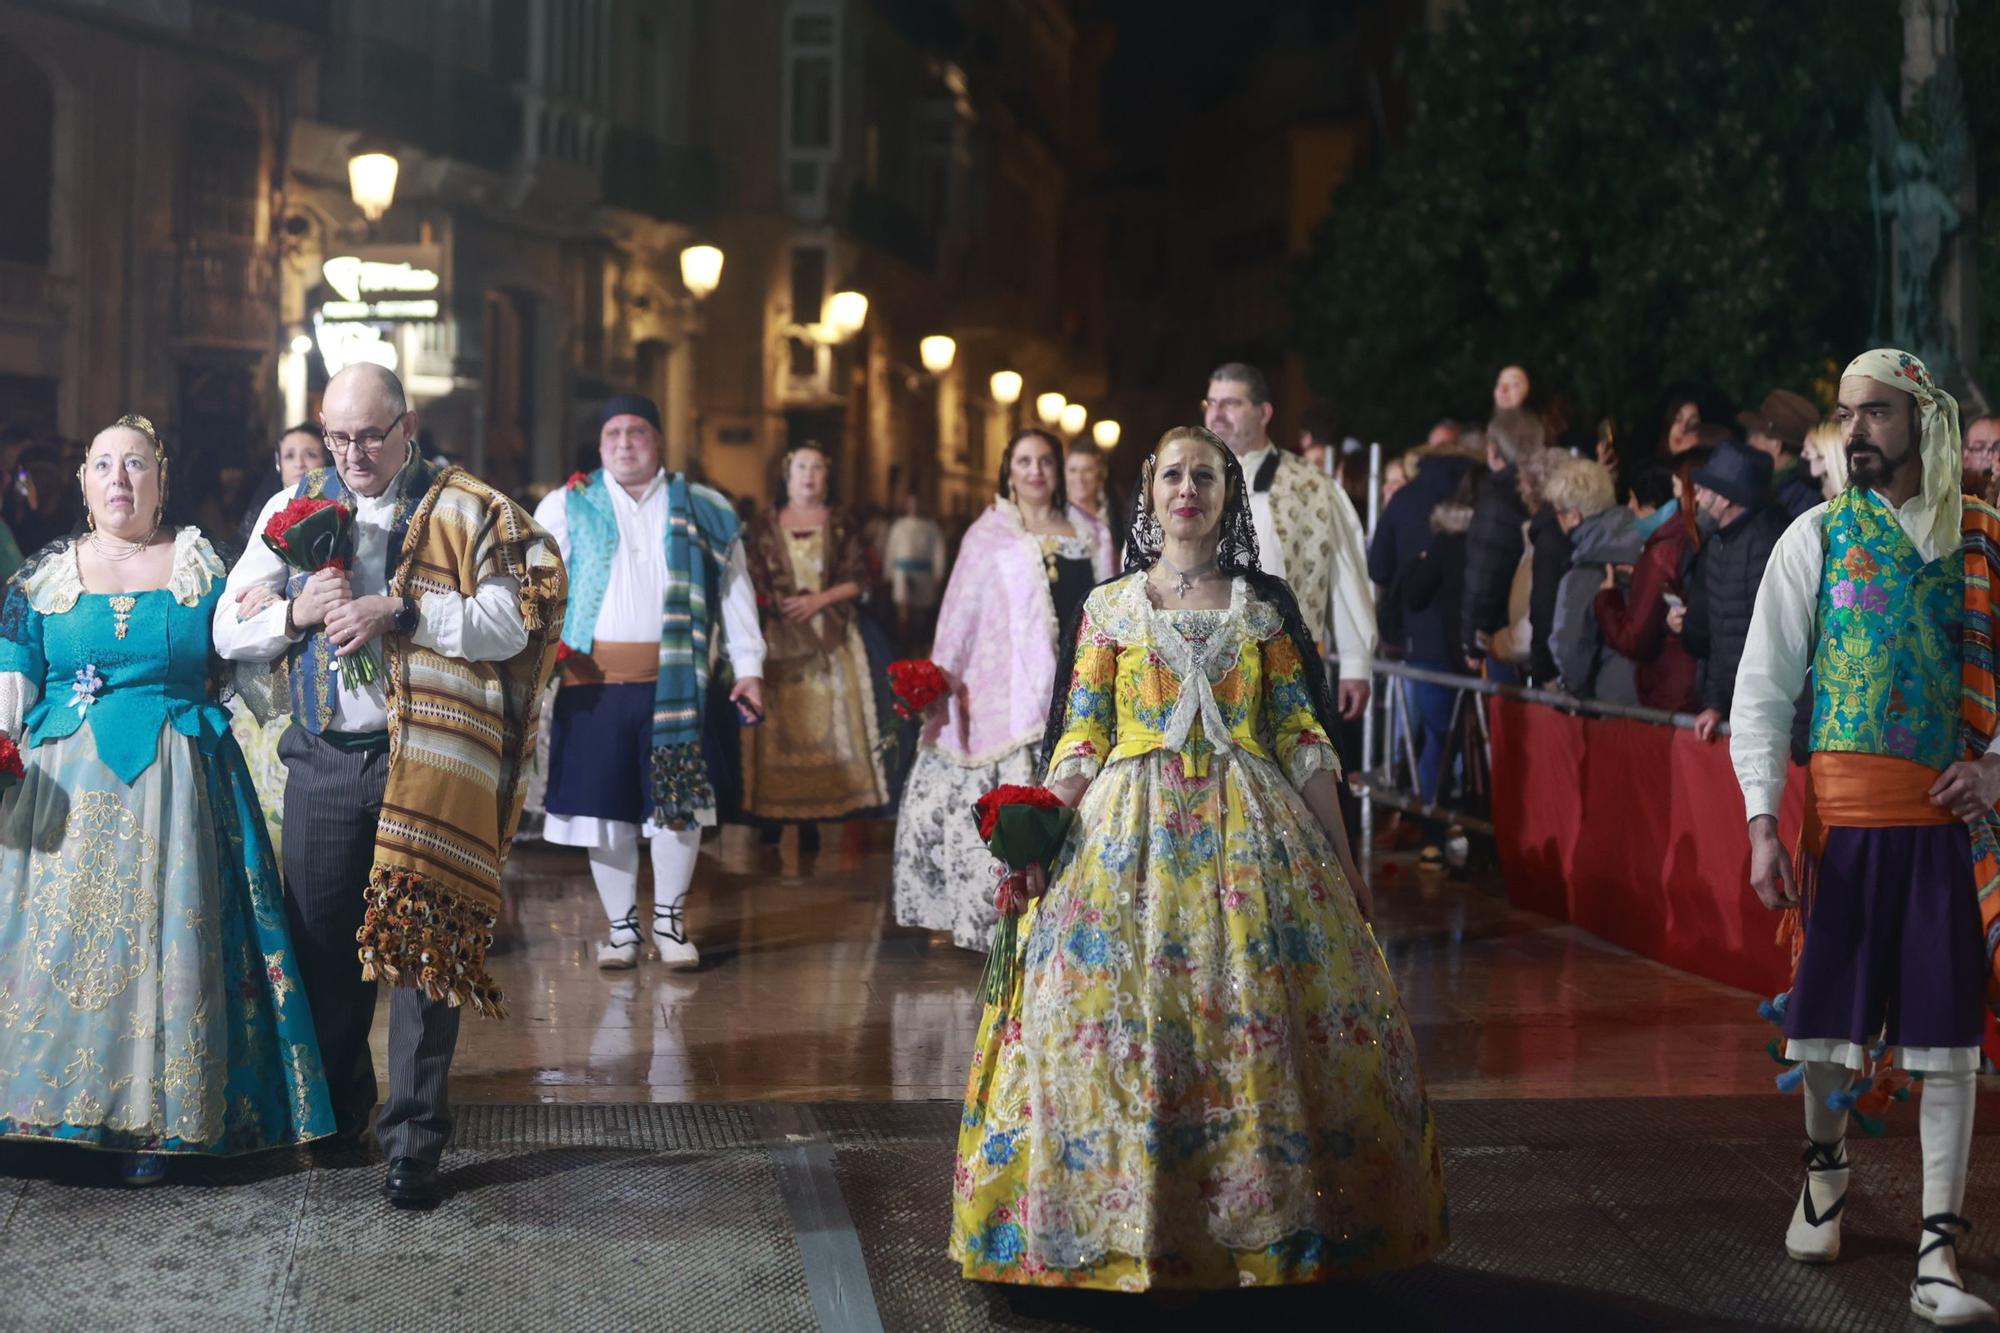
(1022,826)
(917,684)
(309,535)
(12,770)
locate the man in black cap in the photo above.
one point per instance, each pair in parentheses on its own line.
(1733,487)
(1778,430)
(656,564)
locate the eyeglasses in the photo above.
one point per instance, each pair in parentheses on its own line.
(1226,404)
(370,442)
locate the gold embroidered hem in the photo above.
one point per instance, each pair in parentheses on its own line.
(817,755)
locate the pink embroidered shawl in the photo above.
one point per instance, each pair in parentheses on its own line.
(996,637)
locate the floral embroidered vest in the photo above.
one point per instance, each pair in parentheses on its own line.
(1887,667)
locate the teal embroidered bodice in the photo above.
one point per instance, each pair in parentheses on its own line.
(1886,667)
(155,676)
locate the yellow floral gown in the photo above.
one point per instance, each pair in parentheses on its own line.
(1204,1077)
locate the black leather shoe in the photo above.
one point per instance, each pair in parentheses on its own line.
(411,1183)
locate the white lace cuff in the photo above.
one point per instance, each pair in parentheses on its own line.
(1077,766)
(1310,759)
(17,695)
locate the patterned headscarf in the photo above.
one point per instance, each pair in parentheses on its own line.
(1939,447)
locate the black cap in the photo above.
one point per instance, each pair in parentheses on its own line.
(630,405)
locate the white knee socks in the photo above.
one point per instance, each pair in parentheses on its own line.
(1944,1121)
(615,870)
(1823,1079)
(675,852)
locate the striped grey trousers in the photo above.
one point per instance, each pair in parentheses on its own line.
(333,798)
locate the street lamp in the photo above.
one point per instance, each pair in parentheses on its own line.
(1106,434)
(846,312)
(1073,418)
(1049,407)
(701,270)
(1006,387)
(937,353)
(371,179)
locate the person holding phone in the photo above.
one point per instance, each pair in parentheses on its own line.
(656,569)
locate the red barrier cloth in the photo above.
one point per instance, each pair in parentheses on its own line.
(1636,833)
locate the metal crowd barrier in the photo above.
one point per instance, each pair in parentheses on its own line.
(1464,795)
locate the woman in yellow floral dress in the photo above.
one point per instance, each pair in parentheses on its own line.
(1204,1077)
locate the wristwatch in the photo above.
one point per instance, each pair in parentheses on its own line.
(406,619)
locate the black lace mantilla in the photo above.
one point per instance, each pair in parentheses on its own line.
(1236,555)
(15,608)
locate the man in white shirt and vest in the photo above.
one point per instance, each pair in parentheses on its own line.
(399,813)
(1307,533)
(657,569)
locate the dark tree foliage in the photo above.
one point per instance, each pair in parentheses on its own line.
(1617,196)
(1978,55)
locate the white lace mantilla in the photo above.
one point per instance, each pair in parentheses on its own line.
(1131,618)
(56,584)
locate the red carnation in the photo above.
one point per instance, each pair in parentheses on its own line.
(578,480)
(311,533)
(563,651)
(989,806)
(1021,826)
(11,768)
(917,683)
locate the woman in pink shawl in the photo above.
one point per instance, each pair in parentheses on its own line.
(1023,570)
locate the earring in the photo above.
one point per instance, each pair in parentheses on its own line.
(89,518)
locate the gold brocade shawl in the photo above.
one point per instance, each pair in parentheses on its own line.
(461,735)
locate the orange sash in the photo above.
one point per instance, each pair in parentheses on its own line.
(609,663)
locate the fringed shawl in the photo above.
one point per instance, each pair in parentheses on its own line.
(461,735)
(997,636)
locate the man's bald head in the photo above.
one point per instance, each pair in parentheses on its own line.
(369,426)
(367,379)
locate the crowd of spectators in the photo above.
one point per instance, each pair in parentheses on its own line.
(1625,574)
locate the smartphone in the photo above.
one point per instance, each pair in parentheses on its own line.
(746,714)
(1673,602)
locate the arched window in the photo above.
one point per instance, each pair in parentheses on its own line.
(224,152)
(27,158)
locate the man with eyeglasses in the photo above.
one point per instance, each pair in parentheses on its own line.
(1307,531)
(402,790)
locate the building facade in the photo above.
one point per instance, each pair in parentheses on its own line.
(182,236)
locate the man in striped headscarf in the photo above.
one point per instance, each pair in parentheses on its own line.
(656,568)
(1885,593)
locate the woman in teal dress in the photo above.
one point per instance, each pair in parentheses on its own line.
(149,1002)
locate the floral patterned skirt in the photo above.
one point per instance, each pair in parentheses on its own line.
(1204,1077)
(944,874)
(149,998)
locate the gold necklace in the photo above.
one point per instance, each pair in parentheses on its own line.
(98,543)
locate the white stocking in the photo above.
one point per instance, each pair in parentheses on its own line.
(615,870)
(1824,1078)
(1944,1122)
(675,852)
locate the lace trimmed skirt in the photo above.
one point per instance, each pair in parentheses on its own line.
(149,995)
